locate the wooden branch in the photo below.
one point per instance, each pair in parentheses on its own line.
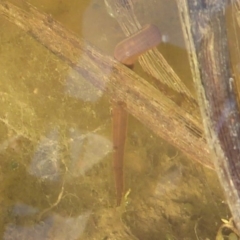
(142,100)
(205,30)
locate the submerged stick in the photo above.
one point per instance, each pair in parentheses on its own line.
(204,25)
(142,100)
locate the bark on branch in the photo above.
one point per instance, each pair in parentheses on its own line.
(204,25)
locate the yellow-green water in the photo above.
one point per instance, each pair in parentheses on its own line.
(55,143)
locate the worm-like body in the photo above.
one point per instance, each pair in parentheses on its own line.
(132,47)
(120,118)
(127,53)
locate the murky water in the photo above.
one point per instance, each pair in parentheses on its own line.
(56,147)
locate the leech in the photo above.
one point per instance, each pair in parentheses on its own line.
(127,53)
(119,125)
(132,47)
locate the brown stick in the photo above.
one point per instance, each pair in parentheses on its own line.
(142,100)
